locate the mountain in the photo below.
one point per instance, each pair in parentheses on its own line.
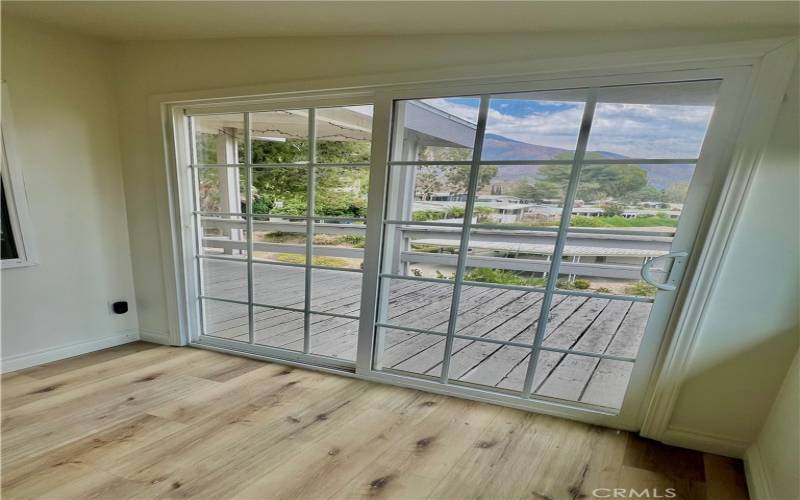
(498,147)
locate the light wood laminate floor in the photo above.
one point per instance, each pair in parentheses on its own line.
(146,421)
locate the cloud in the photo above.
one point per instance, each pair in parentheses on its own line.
(633,130)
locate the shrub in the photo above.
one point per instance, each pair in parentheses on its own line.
(483,214)
(424,247)
(282,237)
(582,221)
(502,277)
(576,284)
(426,215)
(582,284)
(349,240)
(612,209)
(661,220)
(325,239)
(443,276)
(261,205)
(416,272)
(641,288)
(330,262)
(296,258)
(291,258)
(602,289)
(565,284)
(353,240)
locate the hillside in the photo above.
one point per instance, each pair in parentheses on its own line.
(497,147)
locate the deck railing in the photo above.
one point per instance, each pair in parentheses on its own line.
(653,243)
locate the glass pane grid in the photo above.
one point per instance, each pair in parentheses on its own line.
(341,165)
(225,320)
(304,164)
(504,286)
(588,354)
(596,160)
(332,315)
(510,228)
(270,215)
(456,269)
(526,187)
(279,263)
(528,161)
(199,166)
(283,308)
(262,217)
(217,139)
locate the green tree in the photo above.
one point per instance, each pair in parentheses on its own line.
(427,182)
(536,192)
(616,180)
(340,191)
(438,153)
(454,179)
(676,193)
(590,191)
(647,193)
(597,181)
(613,209)
(458,177)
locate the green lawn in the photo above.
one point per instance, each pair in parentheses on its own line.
(618,221)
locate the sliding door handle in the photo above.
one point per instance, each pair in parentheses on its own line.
(672,278)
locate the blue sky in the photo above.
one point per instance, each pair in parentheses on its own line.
(633,130)
(514,107)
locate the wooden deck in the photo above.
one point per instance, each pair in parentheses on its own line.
(585,324)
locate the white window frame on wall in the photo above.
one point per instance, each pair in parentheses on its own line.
(764,68)
(15,194)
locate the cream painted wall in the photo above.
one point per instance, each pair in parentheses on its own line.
(751,330)
(773,461)
(62,96)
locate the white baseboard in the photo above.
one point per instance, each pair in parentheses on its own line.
(26,360)
(709,443)
(757,478)
(154,337)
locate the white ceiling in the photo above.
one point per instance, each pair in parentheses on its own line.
(173,20)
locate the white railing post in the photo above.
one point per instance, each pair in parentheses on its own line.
(229,188)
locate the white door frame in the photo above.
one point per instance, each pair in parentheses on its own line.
(767,66)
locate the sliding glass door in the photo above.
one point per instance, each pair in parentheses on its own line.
(524,247)
(516,231)
(280,203)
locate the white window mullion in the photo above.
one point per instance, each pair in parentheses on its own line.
(469,206)
(561,239)
(248,154)
(197,219)
(310,198)
(368,340)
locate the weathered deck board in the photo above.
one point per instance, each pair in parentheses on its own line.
(481,363)
(476,322)
(586,324)
(572,374)
(610,379)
